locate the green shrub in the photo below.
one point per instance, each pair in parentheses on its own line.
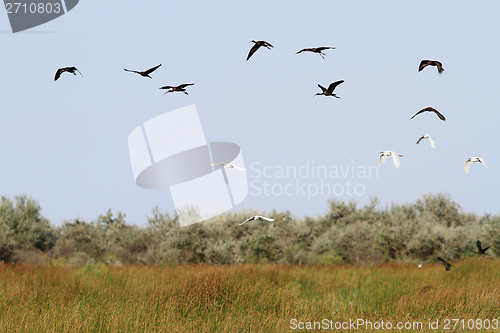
(28,228)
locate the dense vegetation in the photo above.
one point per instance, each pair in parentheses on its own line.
(432,226)
(250,298)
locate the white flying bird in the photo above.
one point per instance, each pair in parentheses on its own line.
(257,217)
(387,153)
(471,160)
(230,165)
(427,136)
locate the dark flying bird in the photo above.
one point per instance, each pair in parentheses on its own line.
(430,109)
(329,91)
(145,73)
(256,46)
(425,63)
(447,266)
(66,69)
(317,50)
(180,88)
(480,249)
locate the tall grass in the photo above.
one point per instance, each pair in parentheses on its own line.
(241,298)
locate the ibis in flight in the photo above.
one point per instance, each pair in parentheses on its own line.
(257,45)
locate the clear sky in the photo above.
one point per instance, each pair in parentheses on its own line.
(65,143)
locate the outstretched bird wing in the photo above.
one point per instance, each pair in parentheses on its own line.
(166,87)
(266,44)
(482,161)
(322,88)
(322,48)
(249,219)
(439,115)
(237,167)
(480,249)
(264,218)
(151,70)
(416,114)
(395,159)
(423,64)
(420,139)
(439,67)
(254,48)
(75,69)
(467,164)
(59,72)
(303,50)
(129,70)
(431,139)
(181,86)
(441,259)
(381,159)
(332,86)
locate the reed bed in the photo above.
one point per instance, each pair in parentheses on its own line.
(243,298)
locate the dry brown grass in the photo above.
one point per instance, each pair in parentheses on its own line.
(246,298)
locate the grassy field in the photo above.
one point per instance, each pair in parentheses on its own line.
(247,298)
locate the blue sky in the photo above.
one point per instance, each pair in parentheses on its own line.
(65,143)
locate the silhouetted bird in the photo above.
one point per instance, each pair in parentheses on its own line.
(66,69)
(316,50)
(329,91)
(145,73)
(447,266)
(480,249)
(430,109)
(258,217)
(180,88)
(425,63)
(257,45)
(471,160)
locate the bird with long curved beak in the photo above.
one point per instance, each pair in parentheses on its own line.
(447,265)
(179,88)
(430,109)
(256,46)
(480,249)
(144,73)
(66,69)
(331,88)
(425,63)
(318,50)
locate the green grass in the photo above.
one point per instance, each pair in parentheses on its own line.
(246,298)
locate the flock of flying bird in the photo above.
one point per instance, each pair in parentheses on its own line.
(326,92)
(395,157)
